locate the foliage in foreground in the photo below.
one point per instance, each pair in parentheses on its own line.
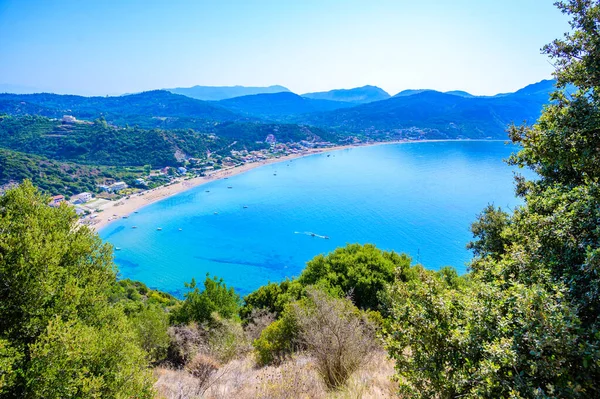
(526,322)
(59,336)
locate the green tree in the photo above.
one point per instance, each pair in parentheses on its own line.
(199,306)
(59,336)
(359,270)
(526,322)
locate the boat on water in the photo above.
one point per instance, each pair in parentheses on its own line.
(245,207)
(229,187)
(207,191)
(134,227)
(135,212)
(180,229)
(117,249)
(125,217)
(216,213)
(159,228)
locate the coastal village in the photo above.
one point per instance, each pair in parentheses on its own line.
(109,201)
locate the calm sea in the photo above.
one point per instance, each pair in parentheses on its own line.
(418,198)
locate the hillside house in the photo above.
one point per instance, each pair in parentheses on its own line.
(57,200)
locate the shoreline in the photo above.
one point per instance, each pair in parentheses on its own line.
(115,211)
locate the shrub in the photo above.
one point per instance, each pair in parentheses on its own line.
(225,339)
(277,340)
(184,343)
(200,305)
(151,325)
(336,335)
(202,367)
(363,270)
(259,320)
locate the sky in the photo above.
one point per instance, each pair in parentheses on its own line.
(109,47)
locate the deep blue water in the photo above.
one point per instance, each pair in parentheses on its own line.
(418,198)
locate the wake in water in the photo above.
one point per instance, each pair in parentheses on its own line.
(308,233)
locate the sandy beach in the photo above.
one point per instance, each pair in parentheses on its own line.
(115,210)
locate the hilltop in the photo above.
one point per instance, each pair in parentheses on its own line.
(358,95)
(216,93)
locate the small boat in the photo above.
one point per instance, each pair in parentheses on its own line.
(226,178)
(229,187)
(312,234)
(207,191)
(328,155)
(180,229)
(135,212)
(134,227)
(159,228)
(117,249)
(245,207)
(274,174)
(326,237)
(125,217)
(216,213)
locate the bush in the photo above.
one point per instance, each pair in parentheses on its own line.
(277,340)
(202,367)
(273,297)
(151,325)
(336,334)
(199,306)
(259,320)
(225,339)
(362,270)
(184,343)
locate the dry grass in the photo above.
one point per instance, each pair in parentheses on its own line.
(295,378)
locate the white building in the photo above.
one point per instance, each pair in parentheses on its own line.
(118,186)
(81,198)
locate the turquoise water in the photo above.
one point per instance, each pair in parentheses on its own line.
(418,198)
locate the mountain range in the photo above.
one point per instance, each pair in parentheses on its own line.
(366,110)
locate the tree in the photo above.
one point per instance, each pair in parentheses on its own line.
(359,270)
(200,305)
(59,337)
(526,322)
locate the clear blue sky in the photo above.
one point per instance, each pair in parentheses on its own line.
(123,46)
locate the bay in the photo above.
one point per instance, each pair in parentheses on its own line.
(419,198)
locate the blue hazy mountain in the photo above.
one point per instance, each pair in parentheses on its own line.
(460,93)
(216,93)
(278,106)
(358,95)
(431,114)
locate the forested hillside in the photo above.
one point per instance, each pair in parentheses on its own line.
(149,109)
(437,115)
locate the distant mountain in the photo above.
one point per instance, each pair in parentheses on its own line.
(216,93)
(431,114)
(358,95)
(410,92)
(147,109)
(460,93)
(18,89)
(279,106)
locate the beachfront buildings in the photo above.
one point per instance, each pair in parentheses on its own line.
(118,186)
(113,188)
(81,198)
